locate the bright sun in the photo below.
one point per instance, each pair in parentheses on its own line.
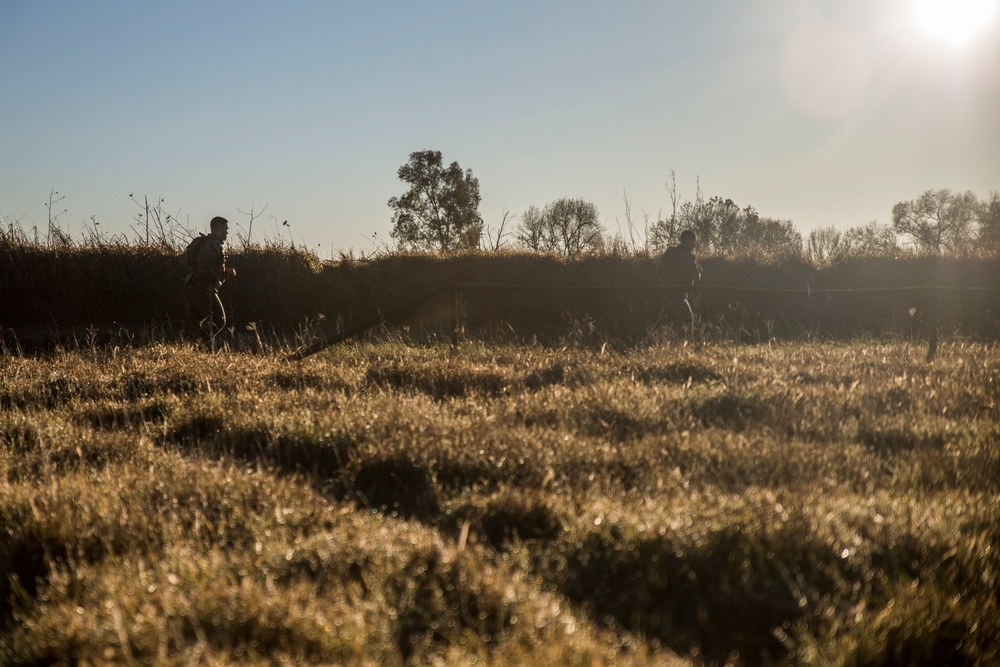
(953,21)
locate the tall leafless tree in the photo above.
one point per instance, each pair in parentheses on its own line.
(938,221)
(566,226)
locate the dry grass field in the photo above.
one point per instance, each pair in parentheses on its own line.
(383,503)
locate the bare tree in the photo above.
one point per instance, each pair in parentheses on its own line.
(671,187)
(54,232)
(628,240)
(576,225)
(721,224)
(824,245)
(989,223)
(870,240)
(166,228)
(565,226)
(938,221)
(665,232)
(495,243)
(531,231)
(770,236)
(253,215)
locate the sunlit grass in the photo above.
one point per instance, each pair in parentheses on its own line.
(384,503)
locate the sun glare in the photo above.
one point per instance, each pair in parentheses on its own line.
(953,21)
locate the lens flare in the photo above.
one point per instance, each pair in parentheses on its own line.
(953,21)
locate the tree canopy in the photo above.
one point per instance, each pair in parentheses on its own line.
(723,226)
(441,209)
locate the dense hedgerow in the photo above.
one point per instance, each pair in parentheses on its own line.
(116,292)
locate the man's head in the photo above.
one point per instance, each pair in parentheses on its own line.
(219,227)
(688,239)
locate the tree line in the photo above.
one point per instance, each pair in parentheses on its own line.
(440,211)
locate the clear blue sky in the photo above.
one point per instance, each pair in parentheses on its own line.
(824,113)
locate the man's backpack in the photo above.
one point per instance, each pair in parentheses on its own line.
(193,248)
(677,267)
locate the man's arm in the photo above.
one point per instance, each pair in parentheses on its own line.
(213,258)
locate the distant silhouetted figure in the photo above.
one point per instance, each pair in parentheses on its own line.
(678,268)
(204,316)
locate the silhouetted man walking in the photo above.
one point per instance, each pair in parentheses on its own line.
(204,316)
(678,268)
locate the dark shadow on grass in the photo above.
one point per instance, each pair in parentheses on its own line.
(507,518)
(306,379)
(439,383)
(139,385)
(332,464)
(115,417)
(724,594)
(893,440)
(24,566)
(545,377)
(677,373)
(396,486)
(318,458)
(732,410)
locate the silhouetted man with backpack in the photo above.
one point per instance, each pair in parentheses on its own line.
(204,316)
(676,269)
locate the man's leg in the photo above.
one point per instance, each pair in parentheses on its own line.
(677,314)
(687,316)
(217,316)
(198,314)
